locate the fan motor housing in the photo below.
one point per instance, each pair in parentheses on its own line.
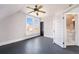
(35,9)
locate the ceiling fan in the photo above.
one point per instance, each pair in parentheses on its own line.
(36,9)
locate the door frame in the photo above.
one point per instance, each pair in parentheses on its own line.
(65,29)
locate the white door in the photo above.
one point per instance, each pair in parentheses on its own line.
(59,31)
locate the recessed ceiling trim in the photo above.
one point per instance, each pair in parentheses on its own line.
(70,8)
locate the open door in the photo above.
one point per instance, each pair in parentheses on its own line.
(60,36)
(59,30)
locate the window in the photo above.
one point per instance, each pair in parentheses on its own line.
(32,25)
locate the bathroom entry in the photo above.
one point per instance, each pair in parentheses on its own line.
(70,29)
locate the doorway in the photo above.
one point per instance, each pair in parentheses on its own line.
(41,28)
(70,29)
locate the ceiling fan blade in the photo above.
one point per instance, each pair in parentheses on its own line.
(30,12)
(30,8)
(40,7)
(42,11)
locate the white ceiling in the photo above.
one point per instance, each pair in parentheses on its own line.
(8,9)
(49,8)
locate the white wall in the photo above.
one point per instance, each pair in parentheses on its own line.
(48,26)
(13,29)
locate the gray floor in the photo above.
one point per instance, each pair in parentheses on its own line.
(38,45)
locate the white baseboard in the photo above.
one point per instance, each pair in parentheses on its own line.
(11,41)
(16,40)
(48,36)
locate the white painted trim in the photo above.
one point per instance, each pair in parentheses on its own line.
(66,29)
(30,36)
(46,35)
(65,33)
(70,8)
(17,40)
(11,41)
(70,44)
(59,45)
